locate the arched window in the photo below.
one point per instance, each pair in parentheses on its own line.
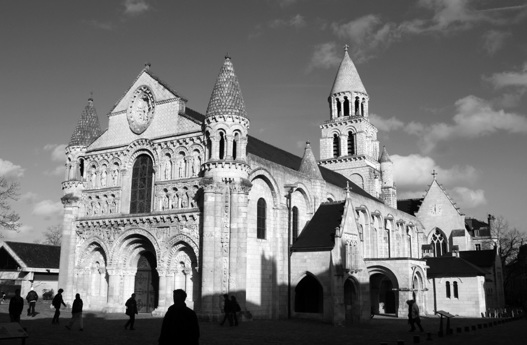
(222,145)
(295,223)
(346,106)
(336,146)
(81,169)
(261,215)
(235,146)
(339,106)
(362,106)
(438,243)
(351,144)
(142,175)
(357,106)
(447,286)
(456,293)
(209,145)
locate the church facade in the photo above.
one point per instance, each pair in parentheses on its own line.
(169,198)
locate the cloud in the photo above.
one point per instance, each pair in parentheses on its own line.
(48,208)
(28,198)
(414,171)
(297,22)
(58,171)
(386,125)
(493,41)
(135,7)
(325,56)
(24,233)
(507,79)
(468,198)
(57,151)
(10,170)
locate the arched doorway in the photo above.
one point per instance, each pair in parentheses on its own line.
(146,283)
(383,292)
(351,301)
(309,296)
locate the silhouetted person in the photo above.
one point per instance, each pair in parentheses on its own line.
(16,305)
(413,315)
(131,311)
(31,298)
(57,301)
(76,313)
(235,308)
(180,325)
(227,310)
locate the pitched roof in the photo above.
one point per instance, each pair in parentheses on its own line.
(319,233)
(410,206)
(226,95)
(385,157)
(309,165)
(458,233)
(347,78)
(451,266)
(88,128)
(480,258)
(36,255)
(473,225)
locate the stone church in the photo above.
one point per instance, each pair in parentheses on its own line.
(169,198)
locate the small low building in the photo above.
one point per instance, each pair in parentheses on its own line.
(28,265)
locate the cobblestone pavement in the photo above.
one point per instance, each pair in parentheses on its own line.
(109,329)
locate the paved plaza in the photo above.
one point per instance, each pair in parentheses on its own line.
(109,329)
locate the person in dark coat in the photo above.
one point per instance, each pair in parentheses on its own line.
(16,305)
(57,301)
(76,313)
(31,298)
(180,324)
(227,309)
(235,309)
(131,311)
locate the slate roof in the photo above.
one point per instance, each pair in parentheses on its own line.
(36,255)
(88,128)
(226,95)
(480,258)
(347,78)
(451,266)
(319,233)
(410,206)
(472,225)
(385,157)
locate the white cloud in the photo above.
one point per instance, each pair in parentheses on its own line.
(297,22)
(135,7)
(28,198)
(325,56)
(468,198)
(57,151)
(386,125)
(414,171)
(493,40)
(10,170)
(506,79)
(48,208)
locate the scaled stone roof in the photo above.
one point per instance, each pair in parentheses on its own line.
(347,78)
(451,266)
(88,128)
(309,165)
(226,98)
(319,233)
(36,255)
(385,157)
(410,206)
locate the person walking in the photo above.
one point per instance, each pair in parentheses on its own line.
(227,310)
(235,309)
(57,301)
(16,305)
(31,298)
(131,311)
(180,324)
(76,313)
(413,315)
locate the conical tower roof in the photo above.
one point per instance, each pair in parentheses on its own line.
(226,98)
(309,165)
(347,78)
(385,157)
(88,128)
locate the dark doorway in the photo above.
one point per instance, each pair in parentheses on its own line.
(309,296)
(350,301)
(146,283)
(382,294)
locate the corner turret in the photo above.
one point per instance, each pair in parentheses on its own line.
(388,191)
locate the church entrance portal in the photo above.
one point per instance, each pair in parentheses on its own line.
(383,296)
(309,296)
(146,283)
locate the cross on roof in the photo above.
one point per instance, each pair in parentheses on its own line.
(434,174)
(346,47)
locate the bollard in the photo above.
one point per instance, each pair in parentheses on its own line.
(417,339)
(473,327)
(459,329)
(428,336)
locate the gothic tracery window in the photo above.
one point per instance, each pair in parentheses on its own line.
(438,243)
(261,210)
(142,175)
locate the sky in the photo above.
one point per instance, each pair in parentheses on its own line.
(447,82)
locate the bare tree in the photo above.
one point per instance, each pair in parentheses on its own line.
(53,235)
(508,240)
(9,191)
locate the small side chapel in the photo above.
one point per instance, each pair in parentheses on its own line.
(169,198)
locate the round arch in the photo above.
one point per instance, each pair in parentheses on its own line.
(383,288)
(266,176)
